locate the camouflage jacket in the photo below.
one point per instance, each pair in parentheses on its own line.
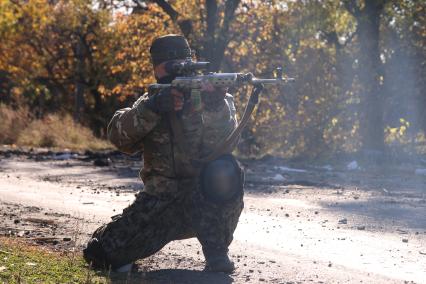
(140,129)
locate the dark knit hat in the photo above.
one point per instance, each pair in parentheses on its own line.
(169,47)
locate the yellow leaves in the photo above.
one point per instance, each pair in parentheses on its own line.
(117,89)
(116,69)
(398,134)
(404,122)
(38,12)
(262,37)
(120,55)
(102,89)
(402,130)
(8,17)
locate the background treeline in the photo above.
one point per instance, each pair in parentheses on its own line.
(359,66)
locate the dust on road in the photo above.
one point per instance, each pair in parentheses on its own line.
(313,225)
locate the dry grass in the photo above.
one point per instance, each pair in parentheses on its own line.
(60,132)
(55,131)
(12,122)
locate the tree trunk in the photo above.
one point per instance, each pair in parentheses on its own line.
(218,43)
(79,83)
(99,114)
(217,36)
(370,75)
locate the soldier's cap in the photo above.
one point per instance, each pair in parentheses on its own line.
(169,47)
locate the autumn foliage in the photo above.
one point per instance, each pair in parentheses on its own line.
(88,58)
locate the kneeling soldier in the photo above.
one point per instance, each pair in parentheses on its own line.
(179,200)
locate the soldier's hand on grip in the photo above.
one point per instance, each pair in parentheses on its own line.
(212,96)
(166,100)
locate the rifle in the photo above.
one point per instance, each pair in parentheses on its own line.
(188,79)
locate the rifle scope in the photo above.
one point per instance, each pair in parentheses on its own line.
(188,66)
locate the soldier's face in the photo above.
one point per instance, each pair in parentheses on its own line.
(160,69)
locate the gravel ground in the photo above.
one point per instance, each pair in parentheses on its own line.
(300,224)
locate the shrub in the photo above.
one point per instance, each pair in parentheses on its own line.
(12,122)
(60,132)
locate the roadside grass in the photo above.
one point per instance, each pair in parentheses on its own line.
(60,132)
(19,128)
(21,262)
(13,121)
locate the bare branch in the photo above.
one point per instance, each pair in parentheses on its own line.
(230,7)
(380,5)
(352,7)
(185,25)
(223,35)
(211,10)
(168,9)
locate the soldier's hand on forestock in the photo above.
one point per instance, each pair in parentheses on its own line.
(211,95)
(166,100)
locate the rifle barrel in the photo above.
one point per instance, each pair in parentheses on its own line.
(255,81)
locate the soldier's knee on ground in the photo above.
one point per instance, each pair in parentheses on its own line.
(222,180)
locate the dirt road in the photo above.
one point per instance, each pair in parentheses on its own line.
(315,225)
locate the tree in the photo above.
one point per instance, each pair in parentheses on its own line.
(91,57)
(370,72)
(207,25)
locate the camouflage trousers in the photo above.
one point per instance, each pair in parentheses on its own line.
(151,222)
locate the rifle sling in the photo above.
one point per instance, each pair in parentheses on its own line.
(228,144)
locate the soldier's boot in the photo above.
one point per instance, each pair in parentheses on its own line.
(218,261)
(95,255)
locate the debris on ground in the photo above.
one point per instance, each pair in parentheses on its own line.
(268,244)
(352,166)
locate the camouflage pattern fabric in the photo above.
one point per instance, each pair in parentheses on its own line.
(150,222)
(137,128)
(171,206)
